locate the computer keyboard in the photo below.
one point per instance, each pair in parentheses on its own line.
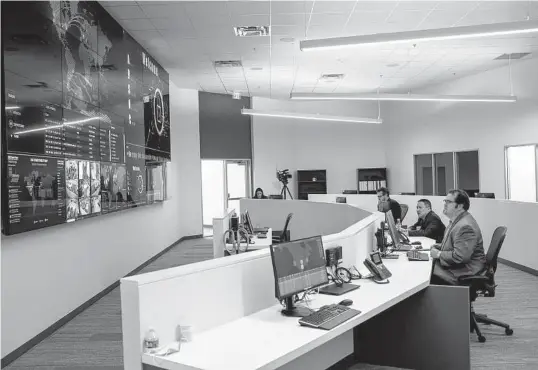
(329,317)
(417,256)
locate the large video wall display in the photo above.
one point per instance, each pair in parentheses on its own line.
(86,123)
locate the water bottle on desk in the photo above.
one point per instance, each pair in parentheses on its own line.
(151,341)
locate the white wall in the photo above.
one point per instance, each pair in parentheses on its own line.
(415,128)
(340,148)
(48,273)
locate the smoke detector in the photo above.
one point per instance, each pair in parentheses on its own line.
(227,63)
(331,77)
(252,31)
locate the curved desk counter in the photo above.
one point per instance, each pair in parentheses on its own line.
(520,246)
(230,305)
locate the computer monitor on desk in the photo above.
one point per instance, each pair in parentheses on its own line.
(298,266)
(395,235)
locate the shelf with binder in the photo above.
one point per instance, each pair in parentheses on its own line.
(371,179)
(311,182)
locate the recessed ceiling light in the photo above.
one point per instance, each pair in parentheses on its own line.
(287,39)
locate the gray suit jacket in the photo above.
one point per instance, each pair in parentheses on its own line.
(462,250)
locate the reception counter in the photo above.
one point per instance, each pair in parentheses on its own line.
(230,305)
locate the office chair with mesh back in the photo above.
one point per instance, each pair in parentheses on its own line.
(483,285)
(283,236)
(404,208)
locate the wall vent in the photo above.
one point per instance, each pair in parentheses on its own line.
(331,77)
(513,56)
(227,64)
(252,31)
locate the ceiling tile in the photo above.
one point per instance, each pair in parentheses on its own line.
(127,12)
(329,20)
(248,7)
(287,7)
(137,24)
(170,24)
(334,6)
(171,10)
(417,5)
(384,6)
(250,20)
(289,19)
(178,33)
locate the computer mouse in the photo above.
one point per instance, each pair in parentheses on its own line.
(346,302)
(416,243)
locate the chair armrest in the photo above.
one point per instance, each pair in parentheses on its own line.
(473,279)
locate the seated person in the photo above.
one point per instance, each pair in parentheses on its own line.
(258,194)
(385,204)
(430,224)
(461,252)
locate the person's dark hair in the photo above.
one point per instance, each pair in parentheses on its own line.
(461,198)
(383,191)
(256,192)
(426,202)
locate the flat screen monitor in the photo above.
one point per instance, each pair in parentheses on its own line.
(248,223)
(298,266)
(394,233)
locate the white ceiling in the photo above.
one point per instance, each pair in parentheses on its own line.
(187,36)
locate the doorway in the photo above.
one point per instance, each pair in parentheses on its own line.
(224,182)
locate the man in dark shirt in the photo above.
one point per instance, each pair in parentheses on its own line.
(429,222)
(385,204)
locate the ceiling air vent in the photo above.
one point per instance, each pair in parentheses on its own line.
(331,77)
(512,56)
(227,63)
(39,85)
(252,31)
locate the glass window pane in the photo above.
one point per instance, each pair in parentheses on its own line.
(213,201)
(423,174)
(521,171)
(468,172)
(444,172)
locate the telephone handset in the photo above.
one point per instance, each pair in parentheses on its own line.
(404,238)
(376,267)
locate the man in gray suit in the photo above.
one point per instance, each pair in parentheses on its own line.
(462,250)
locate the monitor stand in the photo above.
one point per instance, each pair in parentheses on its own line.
(333,289)
(294,311)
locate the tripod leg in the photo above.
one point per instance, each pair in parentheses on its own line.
(289,192)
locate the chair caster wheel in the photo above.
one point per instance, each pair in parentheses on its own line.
(481,339)
(509,331)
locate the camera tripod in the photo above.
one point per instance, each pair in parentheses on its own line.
(285,190)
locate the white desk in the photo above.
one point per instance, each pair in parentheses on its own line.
(259,243)
(269,340)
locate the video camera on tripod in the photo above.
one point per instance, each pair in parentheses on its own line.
(283,176)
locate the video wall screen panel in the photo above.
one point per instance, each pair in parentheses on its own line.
(86,123)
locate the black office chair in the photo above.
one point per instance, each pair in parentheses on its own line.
(483,285)
(404,208)
(284,236)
